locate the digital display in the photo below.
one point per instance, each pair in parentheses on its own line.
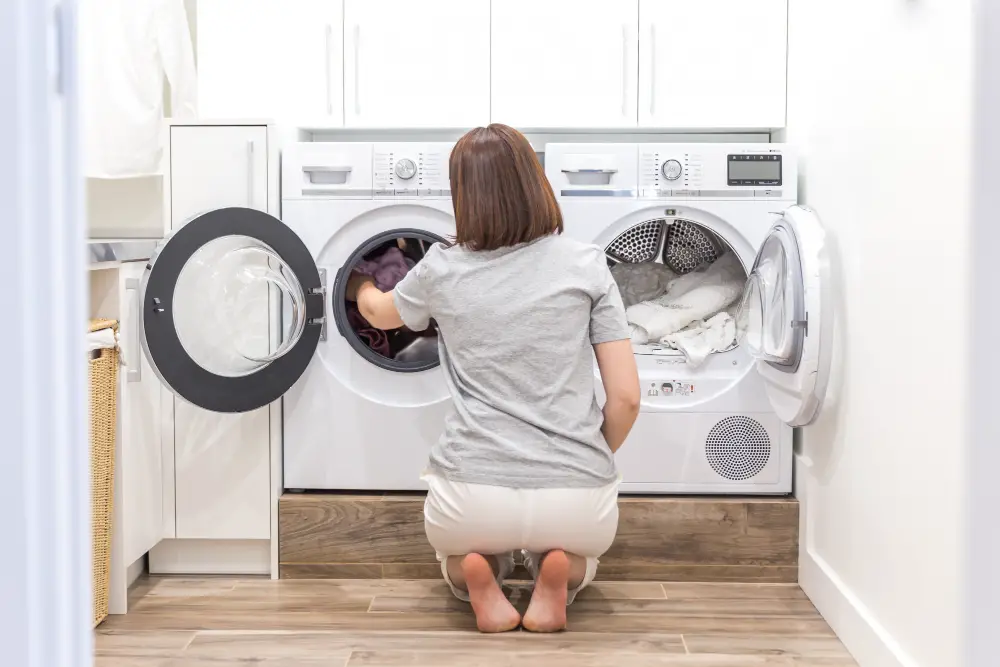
(755,170)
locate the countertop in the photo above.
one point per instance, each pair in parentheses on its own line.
(108,253)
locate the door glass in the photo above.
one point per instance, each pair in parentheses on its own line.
(768,314)
(222,302)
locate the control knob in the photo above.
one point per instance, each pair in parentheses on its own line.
(406,169)
(672,170)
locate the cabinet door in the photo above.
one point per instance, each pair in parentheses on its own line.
(416,64)
(221,461)
(565,63)
(713,64)
(141,464)
(271,59)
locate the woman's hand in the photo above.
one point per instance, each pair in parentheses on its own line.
(355,283)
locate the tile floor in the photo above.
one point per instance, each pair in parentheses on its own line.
(213,622)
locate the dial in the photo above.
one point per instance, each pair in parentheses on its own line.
(672,170)
(406,169)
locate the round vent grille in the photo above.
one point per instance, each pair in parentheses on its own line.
(689,247)
(639,243)
(738,448)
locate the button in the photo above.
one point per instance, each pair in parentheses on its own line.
(383,192)
(406,192)
(427,192)
(767,193)
(687,193)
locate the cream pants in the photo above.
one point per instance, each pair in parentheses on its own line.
(462,518)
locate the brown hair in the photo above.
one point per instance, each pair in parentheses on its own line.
(499,191)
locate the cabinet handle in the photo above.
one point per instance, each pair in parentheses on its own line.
(652,70)
(624,69)
(133,371)
(250,184)
(357,70)
(329,68)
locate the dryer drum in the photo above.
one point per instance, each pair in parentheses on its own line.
(681,245)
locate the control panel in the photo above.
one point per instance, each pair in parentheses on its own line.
(409,170)
(675,171)
(716,170)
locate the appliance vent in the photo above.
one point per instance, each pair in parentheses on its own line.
(689,247)
(639,243)
(738,448)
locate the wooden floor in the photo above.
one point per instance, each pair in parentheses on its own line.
(177,622)
(734,539)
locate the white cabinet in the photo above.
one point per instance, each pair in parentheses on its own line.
(565,63)
(221,461)
(280,59)
(140,464)
(416,64)
(713,64)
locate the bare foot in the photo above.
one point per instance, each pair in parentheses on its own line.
(494,612)
(547,609)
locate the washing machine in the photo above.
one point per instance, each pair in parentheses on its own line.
(242,309)
(724,426)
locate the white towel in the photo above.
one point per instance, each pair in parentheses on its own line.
(641,282)
(702,339)
(690,298)
(99,340)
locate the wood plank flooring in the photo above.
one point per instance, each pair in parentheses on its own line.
(218,622)
(353,536)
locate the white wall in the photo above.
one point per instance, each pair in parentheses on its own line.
(880,103)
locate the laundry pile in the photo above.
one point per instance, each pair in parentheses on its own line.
(692,313)
(387,265)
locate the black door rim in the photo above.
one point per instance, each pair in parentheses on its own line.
(338,306)
(167,355)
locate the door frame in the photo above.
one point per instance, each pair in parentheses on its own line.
(45,567)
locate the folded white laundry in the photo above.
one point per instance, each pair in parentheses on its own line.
(698,295)
(697,341)
(641,282)
(101,339)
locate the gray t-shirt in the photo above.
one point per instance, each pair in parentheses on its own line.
(517,326)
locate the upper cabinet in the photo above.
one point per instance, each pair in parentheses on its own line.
(712,64)
(271,59)
(416,64)
(565,63)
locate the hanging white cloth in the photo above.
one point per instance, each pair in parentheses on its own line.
(126,49)
(694,296)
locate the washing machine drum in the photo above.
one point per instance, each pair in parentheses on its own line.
(685,245)
(399,350)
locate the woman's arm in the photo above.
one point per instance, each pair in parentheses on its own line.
(374,305)
(621,386)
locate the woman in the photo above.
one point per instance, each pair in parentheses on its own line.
(526,460)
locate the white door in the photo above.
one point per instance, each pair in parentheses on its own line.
(785,317)
(714,64)
(565,63)
(140,518)
(221,462)
(271,59)
(417,64)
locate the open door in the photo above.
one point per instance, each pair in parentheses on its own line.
(783,319)
(207,297)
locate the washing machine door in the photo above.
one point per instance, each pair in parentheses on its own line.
(783,319)
(210,294)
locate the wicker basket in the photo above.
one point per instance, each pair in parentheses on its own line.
(103,408)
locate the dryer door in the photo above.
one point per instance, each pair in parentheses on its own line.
(783,318)
(209,315)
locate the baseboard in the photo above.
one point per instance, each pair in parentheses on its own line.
(855,624)
(238,557)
